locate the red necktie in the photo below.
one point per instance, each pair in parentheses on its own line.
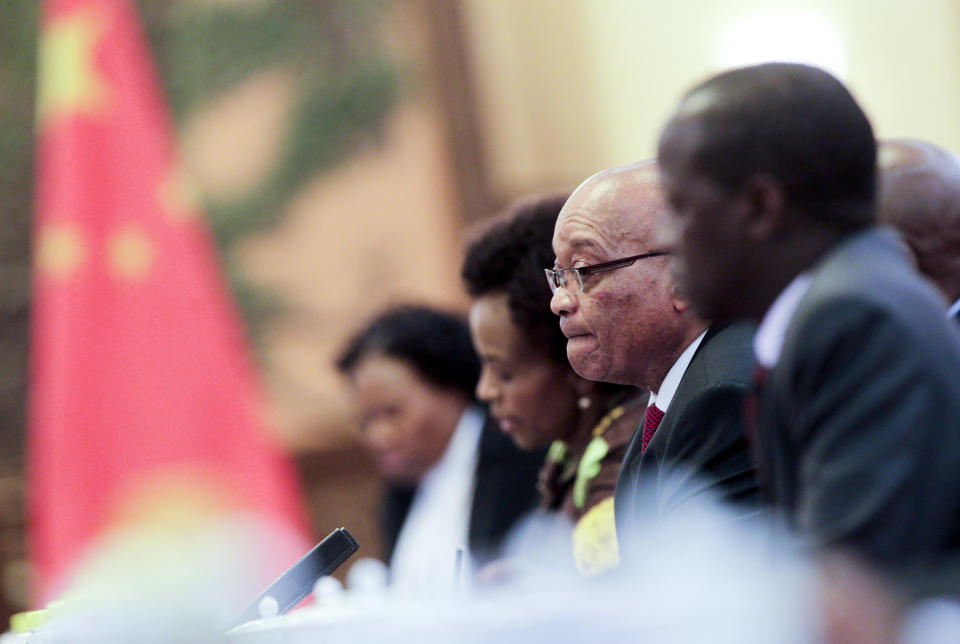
(751,402)
(650,423)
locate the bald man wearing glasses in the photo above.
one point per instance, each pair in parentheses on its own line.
(626,323)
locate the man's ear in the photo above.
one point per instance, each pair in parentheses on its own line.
(680,303)
(765,202)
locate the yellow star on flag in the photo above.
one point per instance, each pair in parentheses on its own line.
(60,250)
(131,253)
(69,81)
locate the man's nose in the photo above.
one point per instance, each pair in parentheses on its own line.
(562,302)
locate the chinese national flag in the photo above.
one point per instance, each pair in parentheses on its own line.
(140,375)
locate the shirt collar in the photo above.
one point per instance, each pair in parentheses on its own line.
(463,442)
(954,310)
(768,342)
(669,385)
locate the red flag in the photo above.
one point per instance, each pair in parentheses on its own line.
(138,364)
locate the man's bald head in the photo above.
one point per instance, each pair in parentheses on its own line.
(920,196)
(626,325)
(627,200)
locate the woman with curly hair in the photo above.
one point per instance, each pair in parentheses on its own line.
(533,393)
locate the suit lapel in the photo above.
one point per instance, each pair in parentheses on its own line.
(691,382)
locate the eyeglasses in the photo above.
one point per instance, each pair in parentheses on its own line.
(556,277)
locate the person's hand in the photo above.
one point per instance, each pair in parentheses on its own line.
(856,603)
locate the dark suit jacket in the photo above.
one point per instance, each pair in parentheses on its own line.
(505,490)
(860,418)
(700,443)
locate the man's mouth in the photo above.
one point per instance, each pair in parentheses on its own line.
(572,333)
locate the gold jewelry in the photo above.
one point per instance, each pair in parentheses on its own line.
(606,421)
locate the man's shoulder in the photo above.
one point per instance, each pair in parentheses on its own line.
(871,267)
(867,280)
(725,356)
(719,375)
(873,287)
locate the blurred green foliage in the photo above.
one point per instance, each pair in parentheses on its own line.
(18,50)
(346,81)
(347,84)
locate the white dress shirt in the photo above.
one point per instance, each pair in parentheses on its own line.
(768,343)
(668,387)
(438,523)
(954,309)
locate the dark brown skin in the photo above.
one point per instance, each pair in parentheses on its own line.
(765,169)
(737,250)
(858,606)
(628,326)
(405,421)
(533,399)
(920,196)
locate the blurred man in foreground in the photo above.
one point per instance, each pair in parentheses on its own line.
(770,173)
(920,196)
(626,323)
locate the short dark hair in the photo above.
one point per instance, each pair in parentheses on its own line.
(436,344)
(797,123)
(509,258)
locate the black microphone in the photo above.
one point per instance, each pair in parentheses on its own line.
(297,582)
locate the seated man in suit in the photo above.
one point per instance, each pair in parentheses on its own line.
(626,323)
(457,481)
(770,172)
(526,379)
(920,196)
